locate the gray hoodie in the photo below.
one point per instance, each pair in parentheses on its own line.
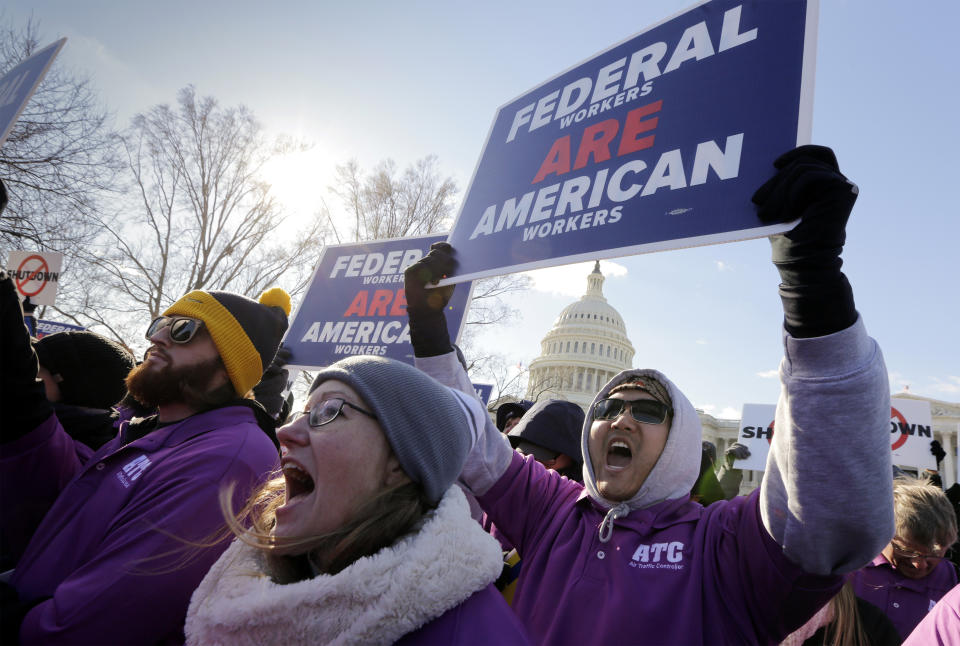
(825,497)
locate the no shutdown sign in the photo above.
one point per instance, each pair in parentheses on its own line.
(35,274)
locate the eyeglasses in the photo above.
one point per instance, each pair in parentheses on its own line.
(910,555)
(182,328)
(328,410)
(645,411)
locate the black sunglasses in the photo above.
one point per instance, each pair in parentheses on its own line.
(645,411)
(328,410)
(182,328)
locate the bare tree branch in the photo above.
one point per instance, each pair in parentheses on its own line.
(197,216)
(59,161)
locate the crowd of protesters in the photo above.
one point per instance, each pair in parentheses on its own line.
(169,501)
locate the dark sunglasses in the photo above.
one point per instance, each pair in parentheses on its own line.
(329,409)
(182,328)
(645,411)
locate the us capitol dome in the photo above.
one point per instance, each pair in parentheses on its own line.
(587,345)
(584,349)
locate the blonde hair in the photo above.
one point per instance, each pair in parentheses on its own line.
(379,522)
(839,619)
(923,513)
(846,626)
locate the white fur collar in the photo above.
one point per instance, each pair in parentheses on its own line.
(376,600)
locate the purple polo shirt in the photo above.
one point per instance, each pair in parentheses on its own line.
(113,551)
(905,601)
(941,626)
(672,573)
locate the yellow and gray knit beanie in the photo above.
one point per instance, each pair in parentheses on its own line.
(247,333)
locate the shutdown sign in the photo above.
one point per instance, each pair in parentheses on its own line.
(656,143)
(35,274)
(911,431)
(756,433)
(356,303)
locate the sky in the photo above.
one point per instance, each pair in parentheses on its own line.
(372,80)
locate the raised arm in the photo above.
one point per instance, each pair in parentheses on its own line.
(37,457)
(435,356)
(825,495)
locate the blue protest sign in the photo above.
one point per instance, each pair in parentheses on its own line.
(656,143)
(483,392)
(356,303)
(19,84)
(52,327)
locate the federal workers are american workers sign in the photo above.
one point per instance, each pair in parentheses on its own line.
(356,303)
(656,143)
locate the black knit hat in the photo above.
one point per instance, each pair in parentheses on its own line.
(92,367)
(511,409)
(553,424)
(246,332)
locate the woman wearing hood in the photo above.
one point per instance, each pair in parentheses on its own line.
(627,557)
(365,539)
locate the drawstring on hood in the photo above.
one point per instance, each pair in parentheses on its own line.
(606,526)
(676,469)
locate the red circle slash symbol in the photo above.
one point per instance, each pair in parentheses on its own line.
(30,275)
(897,415)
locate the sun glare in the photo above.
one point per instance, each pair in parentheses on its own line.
(299,181)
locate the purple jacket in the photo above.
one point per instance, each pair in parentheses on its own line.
(113,550)
(482,619)
(941,626)
(905,601)
(718,564)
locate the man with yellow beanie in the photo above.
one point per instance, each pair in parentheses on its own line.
(131,529)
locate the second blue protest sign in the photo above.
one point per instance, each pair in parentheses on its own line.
(656,143)
(356,303)
(19,84)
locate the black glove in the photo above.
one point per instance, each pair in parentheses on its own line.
(817,299)
(428,325)
(937,451)
(736,451)
(269,392)
(23,400)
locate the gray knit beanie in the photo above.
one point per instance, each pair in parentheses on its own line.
(424,422)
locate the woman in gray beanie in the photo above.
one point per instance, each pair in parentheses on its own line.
(364,538)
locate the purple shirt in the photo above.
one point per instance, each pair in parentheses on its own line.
(111,551)
(672,573)
(905,601)
(941,626)
(484,618)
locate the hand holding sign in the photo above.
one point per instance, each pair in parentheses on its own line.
(817,299)
(425,307)
(736,451)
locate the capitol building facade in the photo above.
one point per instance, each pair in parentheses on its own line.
(587,345)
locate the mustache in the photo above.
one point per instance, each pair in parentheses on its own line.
(153,349)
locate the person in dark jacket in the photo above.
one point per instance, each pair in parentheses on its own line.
(365,538)
(509,414)
(130,529)
(550,432)
(84,377)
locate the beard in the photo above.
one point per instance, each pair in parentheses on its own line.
(188,384)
